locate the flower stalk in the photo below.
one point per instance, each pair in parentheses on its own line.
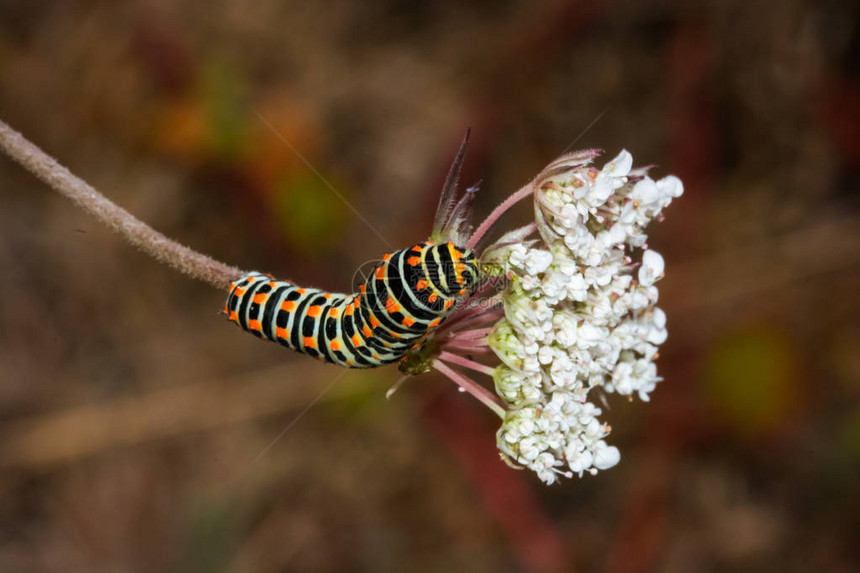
(165,250)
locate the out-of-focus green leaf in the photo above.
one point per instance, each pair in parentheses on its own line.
(210,528)
(223,94)
(310,215)
(751,380)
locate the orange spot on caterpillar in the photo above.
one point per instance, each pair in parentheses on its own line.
(362,289)
(380,273)
(314,311)
(449,303)
(421,284)
(288,305)
(408,321)
(309,342)
(458,266)
(234,316)
(334,345)
(386,256)
(239,292)
(391,305)
(281,332)
(417,248)
(327,295)
(301,290)
(434,323)
(366,331)
(333,312)
(373,321)
(349,310)
(254,325)
(413,261)
(356,340)
(433,297)
(260,298)
(357,303)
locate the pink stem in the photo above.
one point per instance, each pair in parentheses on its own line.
(472,387)
(465,362)
(479,233)
(467,347)
(469,334)
(492,314)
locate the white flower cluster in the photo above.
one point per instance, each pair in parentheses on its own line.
(579,312)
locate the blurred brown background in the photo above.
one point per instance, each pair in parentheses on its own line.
(133,416)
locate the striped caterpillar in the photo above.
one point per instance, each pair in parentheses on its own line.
(407,295)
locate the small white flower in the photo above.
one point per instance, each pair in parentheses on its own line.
(606,456)
(537,261)
(579,459)
(620,165)
(670,186)
(545,355)
(589,335)
(565,328)
(654,327)
(652,267)
(646,196)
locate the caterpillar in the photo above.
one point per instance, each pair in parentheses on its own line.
(407,295)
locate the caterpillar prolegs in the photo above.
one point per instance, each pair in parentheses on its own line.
(408,294)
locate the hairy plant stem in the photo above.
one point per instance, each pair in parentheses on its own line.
(151,242)
(516,197)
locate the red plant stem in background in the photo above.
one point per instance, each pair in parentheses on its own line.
(505,493)
(838,107)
